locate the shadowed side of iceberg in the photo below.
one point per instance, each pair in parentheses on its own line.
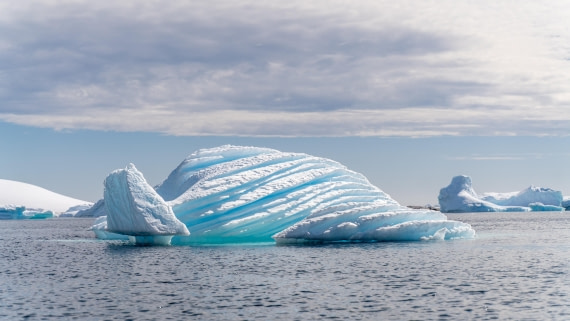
(135,209)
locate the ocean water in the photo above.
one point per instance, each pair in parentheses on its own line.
(516,269)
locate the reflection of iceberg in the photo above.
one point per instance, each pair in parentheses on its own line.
(247,194)
(460,197)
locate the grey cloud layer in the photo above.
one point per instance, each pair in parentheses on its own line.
(255,68)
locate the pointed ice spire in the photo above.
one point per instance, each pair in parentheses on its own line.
(135,209)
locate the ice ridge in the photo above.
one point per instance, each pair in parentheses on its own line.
(135,209)
(250,194)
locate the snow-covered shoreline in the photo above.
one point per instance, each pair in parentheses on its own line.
(20,200)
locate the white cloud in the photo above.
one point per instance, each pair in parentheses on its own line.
(298,68)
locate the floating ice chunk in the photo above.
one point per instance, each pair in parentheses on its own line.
(12,212)
(539,207)
(72,211)
(400,225)
(459,197)
(532,194)
(37,213)
(566,202)
(233,194)
(135,209)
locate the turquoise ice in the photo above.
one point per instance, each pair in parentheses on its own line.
(234,194)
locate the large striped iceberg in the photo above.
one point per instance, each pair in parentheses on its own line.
(234,194)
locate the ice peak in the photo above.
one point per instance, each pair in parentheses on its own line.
(134,208)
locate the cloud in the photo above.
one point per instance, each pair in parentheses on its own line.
(290,69)
(487,158)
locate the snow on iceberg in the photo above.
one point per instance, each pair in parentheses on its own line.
(460,197)
(37,202)
(135,209)
(235,194)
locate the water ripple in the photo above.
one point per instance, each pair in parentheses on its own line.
(53,271)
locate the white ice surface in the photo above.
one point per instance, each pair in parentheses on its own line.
(135,209)
(100,230)
(248,194)
(36,198)
(460,197)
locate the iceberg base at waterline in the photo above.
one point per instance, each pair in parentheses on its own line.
(236,194)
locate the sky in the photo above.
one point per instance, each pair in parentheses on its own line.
(409,93)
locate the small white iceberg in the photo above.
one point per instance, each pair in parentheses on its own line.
(460,197)
(135,209)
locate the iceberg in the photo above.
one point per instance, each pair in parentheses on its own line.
(36,202)
(101,232)
(13,212)
(566,202)
(236,194)
(539,207)
(74,210)
(460,197)
(96,210)
(135,209)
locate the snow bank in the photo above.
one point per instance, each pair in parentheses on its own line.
(37,201)
(10,212)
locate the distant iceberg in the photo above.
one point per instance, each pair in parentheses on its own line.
(460,197)
(96,210)
(12,212)
(26,201)
(233,194)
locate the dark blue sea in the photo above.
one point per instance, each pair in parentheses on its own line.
(516,269)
